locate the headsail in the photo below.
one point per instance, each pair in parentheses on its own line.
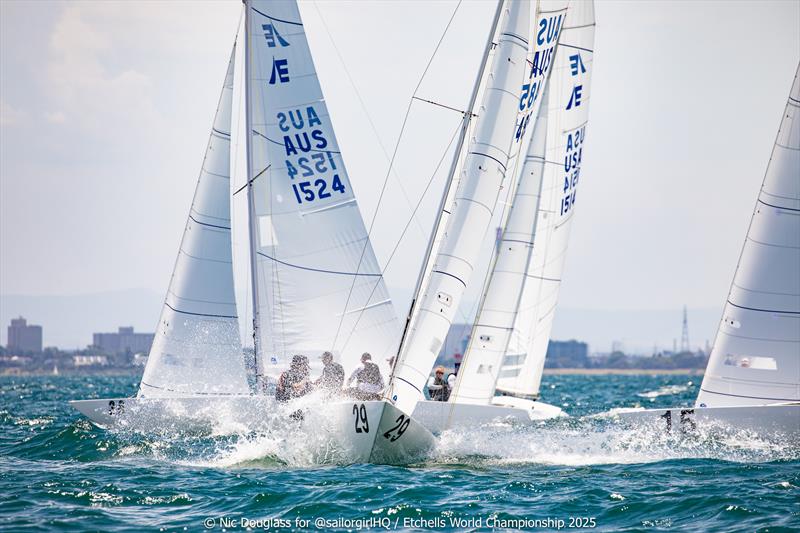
(491,333)
(318,283)
(568,110)
(756,355)
(197,349)
(483,173)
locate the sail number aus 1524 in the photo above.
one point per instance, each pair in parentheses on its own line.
(312,166)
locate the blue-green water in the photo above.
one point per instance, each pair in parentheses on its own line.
(58,472)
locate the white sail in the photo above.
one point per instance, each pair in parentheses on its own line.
(568,109)
(318,283)
(491,333)
(197,349)
(482,176)
(756,354)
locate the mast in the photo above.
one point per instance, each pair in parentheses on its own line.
(250,200)
(462,135)
(483,171)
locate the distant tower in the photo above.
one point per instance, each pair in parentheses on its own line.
(685,334)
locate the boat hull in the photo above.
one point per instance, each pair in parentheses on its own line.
(441,416)
(339,432)
(778,420)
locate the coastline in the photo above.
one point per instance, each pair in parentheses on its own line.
(622,371)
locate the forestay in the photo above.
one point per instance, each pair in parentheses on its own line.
(483,173)
(756,354)
(318,284)
(568,109)
(197,349)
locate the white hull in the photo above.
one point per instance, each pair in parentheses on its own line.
(440,416)
(777,420)
(341,432)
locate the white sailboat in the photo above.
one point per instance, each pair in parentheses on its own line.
(273,200)
(275,248)
(509,338)
(752,380)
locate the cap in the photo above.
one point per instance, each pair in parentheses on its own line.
(325,354)
(365,356)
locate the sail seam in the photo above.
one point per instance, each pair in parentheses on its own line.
(784,246)
(275,19)
(576,47)
(223,176)
(490,157)
(207,224)
(752,397)
(187,254)
(318,269)
(199,314)
(451,275)
(777,206)
(516,37)
(765,310)
(787,147)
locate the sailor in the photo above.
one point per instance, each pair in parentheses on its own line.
(369,382)
(294,382)
(438,389)
(332,377)
(451,378)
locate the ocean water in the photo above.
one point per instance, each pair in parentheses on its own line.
(58,472)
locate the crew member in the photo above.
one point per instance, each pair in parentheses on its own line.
(294,382)
(438,389)
(332,377)
(368,378)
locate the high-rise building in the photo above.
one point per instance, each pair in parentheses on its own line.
(24,338)
(125,340)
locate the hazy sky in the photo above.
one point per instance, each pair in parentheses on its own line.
(106,109)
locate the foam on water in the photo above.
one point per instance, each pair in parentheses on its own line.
(667,390)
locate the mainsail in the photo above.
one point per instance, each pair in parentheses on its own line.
(756,354)
(483,173)
(502,295)
(567,114)
(318,285)
(197,349)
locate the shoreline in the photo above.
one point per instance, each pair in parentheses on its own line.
(622,371)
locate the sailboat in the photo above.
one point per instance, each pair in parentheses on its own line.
(510,335)
(752,380)
(275,250)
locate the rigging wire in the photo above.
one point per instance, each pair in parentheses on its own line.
(365,111)
(388,173)
(405,229)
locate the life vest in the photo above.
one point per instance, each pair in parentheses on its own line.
(440,395)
